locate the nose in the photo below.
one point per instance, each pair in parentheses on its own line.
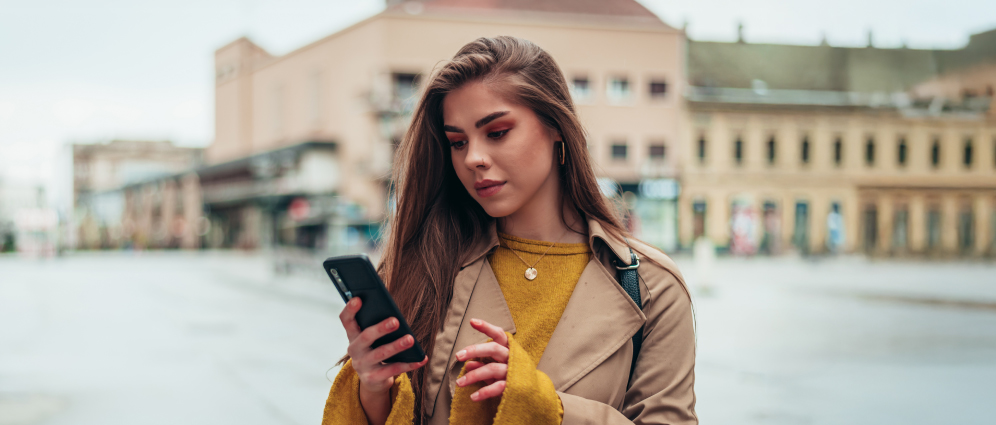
(477,155)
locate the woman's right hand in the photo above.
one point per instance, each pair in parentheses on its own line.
(376,378)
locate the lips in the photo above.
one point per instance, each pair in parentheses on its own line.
(486,188)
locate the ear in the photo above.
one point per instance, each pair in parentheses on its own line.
(555,135)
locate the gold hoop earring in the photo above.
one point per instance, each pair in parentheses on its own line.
(563,152)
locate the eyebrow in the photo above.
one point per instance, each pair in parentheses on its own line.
(480,123)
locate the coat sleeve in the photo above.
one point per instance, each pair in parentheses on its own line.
(662,390)
(529,396)
(343,405)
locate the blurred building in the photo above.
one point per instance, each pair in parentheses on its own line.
(28,225)
(820,148)
(105,203)
(352,92)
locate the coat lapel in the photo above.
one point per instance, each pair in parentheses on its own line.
(476,295)
(582,340)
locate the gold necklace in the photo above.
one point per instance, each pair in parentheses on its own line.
(531,272)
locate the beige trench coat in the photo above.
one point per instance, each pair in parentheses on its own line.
(588,357)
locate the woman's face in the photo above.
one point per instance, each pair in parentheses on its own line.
(501,151)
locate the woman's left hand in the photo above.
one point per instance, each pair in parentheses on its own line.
(493,373)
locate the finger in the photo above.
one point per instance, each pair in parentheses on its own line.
(373,333)
(395,369)
(490,371)
(385,351)
(493,390)
(473,364)
(348,318)
(492,350)
(492,331)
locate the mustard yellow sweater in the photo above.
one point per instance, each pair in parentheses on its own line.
(536,307)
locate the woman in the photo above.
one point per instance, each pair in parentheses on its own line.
(501,256)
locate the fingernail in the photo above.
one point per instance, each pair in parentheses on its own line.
(474,396)
(461,353)
(461,381)
(475,322)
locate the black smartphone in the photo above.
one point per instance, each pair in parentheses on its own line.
(355,276)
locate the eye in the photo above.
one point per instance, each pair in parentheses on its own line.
(459,144)
(497,134)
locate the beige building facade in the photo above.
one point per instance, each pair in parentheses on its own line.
(355,89)
(843,156)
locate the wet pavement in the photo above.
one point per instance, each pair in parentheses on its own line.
(219,338)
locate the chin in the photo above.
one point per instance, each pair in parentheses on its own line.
(496,208)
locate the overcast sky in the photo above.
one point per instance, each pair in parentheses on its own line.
(92,70)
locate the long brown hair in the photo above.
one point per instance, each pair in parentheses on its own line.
(436,221)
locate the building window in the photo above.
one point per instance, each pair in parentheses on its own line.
(657,89)
(838,151)
(870,152)
(738,151)
(771,150)
(967,156)
(804,150)
(702,149)
(901,152)
(581,88)
(404,86)
(657,152)
(618,89)
(619,151)
(935,153)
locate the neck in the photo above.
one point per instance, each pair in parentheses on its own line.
(544,219)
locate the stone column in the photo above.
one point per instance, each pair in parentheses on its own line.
(787,209)
(851,209)
(686,220)
(819,207)
(949,224)
(917,224)
(718,218)
(982,211)
(884,217)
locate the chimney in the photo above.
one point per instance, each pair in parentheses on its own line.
(870,43)
(740,32)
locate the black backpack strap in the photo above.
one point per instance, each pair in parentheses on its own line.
(629,279)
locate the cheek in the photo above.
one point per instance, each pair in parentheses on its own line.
(529,166)
(466,176)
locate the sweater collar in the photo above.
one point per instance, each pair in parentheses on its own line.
(598,239)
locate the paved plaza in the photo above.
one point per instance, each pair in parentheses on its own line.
(218,338)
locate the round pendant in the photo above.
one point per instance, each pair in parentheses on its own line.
(531,273)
